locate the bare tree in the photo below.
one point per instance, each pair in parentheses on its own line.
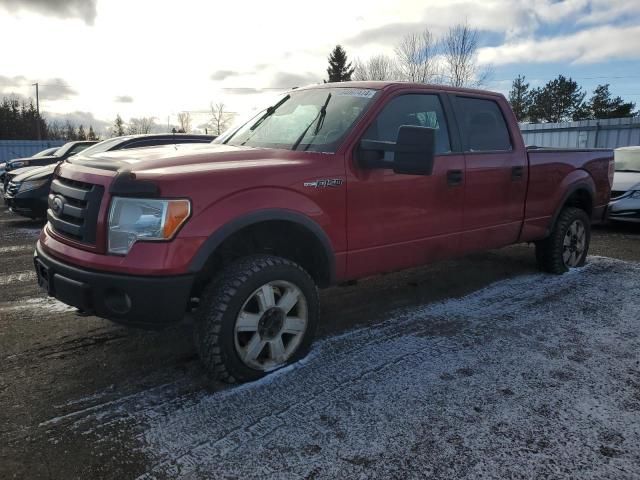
(460,51)
(141,125)
(220,118)
(416,58)
(184,119)
(378,67)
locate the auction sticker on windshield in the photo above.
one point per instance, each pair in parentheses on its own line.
(355,92)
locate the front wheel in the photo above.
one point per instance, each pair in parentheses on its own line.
(568,244)
(258,315)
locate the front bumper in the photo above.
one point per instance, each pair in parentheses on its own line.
(32,203)
(624,209)
(139,301)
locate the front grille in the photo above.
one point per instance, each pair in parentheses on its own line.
(12,189)
(73,209)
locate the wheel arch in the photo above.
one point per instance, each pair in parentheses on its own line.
(278,226)
(581,195)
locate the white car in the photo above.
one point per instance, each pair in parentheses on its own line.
(625,193)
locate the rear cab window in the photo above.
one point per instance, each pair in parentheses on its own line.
(483,127)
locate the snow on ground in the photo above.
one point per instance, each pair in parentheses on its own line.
(532,377)
(41,304)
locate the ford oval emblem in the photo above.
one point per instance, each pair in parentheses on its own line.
(57,205)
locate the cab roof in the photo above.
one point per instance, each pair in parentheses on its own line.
(385,85)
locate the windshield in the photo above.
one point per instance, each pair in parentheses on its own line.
(104,146)
(45,153)
(627,159)
(64,149)
(313,120)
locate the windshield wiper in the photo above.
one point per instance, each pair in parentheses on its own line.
(627,170)
(318,118)
(270,111)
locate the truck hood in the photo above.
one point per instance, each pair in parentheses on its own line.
(179,158)
(625,181)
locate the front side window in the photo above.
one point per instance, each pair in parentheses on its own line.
(415,110)
(482,125)
(309,120)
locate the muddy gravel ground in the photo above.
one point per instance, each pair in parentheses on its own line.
(474,368)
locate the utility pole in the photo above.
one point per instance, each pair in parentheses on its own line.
(38,111)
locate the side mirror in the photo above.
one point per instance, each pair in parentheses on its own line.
(414,151)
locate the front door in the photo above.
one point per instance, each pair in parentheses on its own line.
(396,221)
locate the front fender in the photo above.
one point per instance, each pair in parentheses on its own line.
(234,212)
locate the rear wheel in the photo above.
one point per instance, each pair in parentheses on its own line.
(568,244)
(258,315)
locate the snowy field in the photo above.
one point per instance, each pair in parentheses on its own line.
(532,377)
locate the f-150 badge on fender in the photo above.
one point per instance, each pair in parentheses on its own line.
(329,182)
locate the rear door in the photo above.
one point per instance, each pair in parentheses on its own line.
(394,220)
(495,174)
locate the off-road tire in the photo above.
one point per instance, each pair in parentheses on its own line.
(549,251)
(221,302)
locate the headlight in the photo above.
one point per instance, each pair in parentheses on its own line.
(32,185)
(635,194)
(133,219)
(12,165)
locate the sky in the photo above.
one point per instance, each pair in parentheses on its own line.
(94,59)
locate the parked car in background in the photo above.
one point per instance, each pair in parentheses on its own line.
(625,194)
(62,153)
(44,153)
(26,194)
(331,183)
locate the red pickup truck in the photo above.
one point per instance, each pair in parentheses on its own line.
(330,183)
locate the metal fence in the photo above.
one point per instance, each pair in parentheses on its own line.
(610,133)
(10,149)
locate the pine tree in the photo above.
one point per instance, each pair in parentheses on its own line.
(340,69)
(118,127)
(559,100)
(70,132)
(81,133)
(91,135)
(520,98)
(601,105)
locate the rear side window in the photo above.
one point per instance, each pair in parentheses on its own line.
(416,110)
(482,125)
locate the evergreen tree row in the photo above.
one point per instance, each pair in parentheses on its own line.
(563,100)
(20,121)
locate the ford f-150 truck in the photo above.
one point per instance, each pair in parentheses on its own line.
(330,183)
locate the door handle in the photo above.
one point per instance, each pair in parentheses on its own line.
(517,173)
(454,177)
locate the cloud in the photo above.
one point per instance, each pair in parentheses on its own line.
(387,34)
(223,74)
(82,9)
(123,99)
(514,19)
(56,89)
(243,90)
(78,118)
(593,45)
(289,80)
(13,82)
(52,89)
